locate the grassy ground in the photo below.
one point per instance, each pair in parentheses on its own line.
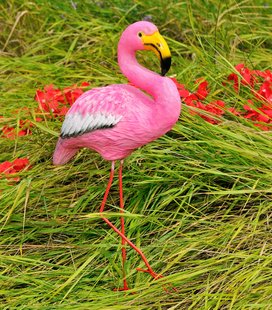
(198,200)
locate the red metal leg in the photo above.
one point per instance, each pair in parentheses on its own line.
(121,233)
(124,254)
(107,189)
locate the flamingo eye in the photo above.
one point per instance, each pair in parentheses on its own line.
(140,34)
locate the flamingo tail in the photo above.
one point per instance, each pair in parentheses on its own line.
(63,154)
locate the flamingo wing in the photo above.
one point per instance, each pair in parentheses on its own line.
(98,108)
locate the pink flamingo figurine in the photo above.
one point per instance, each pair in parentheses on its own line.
(117,119)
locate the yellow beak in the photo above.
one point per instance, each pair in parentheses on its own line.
(156,43)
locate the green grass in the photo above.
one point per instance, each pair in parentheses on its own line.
(198,200)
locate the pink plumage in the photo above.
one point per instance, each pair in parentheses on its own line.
(117,119)
(136,118)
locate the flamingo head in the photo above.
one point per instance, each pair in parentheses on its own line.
(144,35)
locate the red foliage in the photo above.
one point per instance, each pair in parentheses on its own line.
(202,91)
(246,77)
(259,109)
(9,132)
(52,102)
(55,102)
(9,169)
(12,133)
(215,108)
(20,164)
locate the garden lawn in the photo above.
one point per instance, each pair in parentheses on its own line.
(198,200)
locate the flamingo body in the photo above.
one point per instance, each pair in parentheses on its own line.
(114,121)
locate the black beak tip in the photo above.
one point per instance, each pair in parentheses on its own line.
(165,65)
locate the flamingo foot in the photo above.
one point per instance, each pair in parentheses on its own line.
(156,276)
(125,288)
(153,274)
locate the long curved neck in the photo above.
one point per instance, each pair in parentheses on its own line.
(141,77)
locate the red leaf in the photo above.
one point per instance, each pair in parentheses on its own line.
(234,111)
(49,99)
(189,100)
(85,84)
(261,126)
(5,167)
(265,92)
(202,91)
(72,94)
(63,110)
(233,77)
(246,77)
(20,163)
(267,75)
(9,132)
(214,107)
(245,73)
(23,132)
(10,168)
(267,110)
